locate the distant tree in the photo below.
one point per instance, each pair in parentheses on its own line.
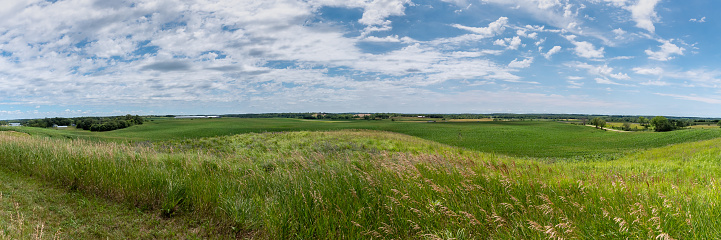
(718,123)
(626,126)
(661,124)
(3,123)
(643,121)
(598,122)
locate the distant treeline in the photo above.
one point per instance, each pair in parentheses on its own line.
(501,116)
(339,116)
(98,124)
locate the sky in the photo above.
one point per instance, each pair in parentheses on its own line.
(68,58)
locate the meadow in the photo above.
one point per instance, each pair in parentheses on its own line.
(537,139)
(383,179)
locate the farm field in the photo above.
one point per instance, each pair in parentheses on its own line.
(540,139)
(371,184)
(287,178)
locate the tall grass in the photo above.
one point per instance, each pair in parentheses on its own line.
(367,184)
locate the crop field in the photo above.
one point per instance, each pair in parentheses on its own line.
(539,139)
(294,179)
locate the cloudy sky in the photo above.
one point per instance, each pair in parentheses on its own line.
(98,57)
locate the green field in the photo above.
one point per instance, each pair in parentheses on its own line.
(288,178)
(519,138)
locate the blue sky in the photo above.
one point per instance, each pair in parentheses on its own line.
(95,57)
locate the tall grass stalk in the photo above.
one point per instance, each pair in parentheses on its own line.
(368,184)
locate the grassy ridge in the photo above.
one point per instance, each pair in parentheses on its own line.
(363,184)
(527,138)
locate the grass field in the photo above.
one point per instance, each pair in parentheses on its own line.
(516,138)
(287,178)
(370,184)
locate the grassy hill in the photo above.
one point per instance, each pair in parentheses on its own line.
(539,139)
(370,184)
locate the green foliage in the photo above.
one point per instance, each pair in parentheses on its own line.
(369,184)
(598,122)
(661,124)
(33,209)
(718,123)
(626,126)
(643,121)
(517,138)
(102,124)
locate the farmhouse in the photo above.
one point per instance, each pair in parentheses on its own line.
(14,124)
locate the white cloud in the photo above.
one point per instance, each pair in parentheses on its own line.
(665,53)
(606,81)
(510,43)
(574,84)
(617,3)
(493,29)
(514,42)
(702,20)
(655,83)
(575,77)
(586,49)
(644,15)
(523,33)
(521,64)
(553,50)
(500,42)
(393,38)
(603,71)
(692,98)
(648,71)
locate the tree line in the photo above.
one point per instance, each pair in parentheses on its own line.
(95,124)
(659,123)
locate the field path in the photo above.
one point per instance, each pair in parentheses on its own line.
(609,129)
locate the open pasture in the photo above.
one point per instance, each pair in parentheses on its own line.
(542,139)
(370,184)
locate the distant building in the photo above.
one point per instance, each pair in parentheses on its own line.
(421,116)
(14,124)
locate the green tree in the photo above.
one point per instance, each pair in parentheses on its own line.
(718,123)
(626,126)
(643,121)
(598,122)
(661,124)
(2,123)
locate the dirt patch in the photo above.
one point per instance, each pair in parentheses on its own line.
(609,129)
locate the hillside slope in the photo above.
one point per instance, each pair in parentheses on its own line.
(362,184)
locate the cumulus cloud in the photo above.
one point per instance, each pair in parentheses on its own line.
(493,28)
(521,64)
(644,14)
(510,43)
(553,50)
(666,51)
(604,71)
(269,55)
(393,39)
(524,33)
(585,49)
